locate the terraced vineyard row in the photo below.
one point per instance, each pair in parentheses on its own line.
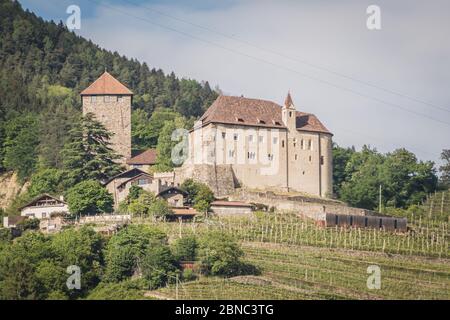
(292,230)
(293,272)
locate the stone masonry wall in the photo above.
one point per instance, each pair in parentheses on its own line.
(218,177)
(309,207)
(115,115)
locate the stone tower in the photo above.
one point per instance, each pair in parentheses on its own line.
(110,102)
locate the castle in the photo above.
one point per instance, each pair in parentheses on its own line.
(238,142)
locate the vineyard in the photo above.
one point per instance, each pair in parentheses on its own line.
(295,272)
(300,260)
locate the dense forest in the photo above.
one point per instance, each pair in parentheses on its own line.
(43,67)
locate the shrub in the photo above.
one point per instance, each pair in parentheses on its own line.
(219,254)
(185,249)
(159,265)
(188,275)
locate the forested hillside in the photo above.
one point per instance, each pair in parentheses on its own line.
(43,67)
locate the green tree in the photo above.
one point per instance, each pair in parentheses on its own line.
(445,167)
(159,266)
(88,154)
(89,197)
(159,209)
(341,156)
(185,248)
(219,254)
(83,248)
(20,152)
(46,181)
(127,247)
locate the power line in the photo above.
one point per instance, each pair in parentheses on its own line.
(273,64)
(280,54)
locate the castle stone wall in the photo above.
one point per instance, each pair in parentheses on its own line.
(114,113)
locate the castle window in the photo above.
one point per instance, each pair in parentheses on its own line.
(282,143)
(309,144)
(290,113)
(260,139)
(294,142)
(223,135)
(302,144)
(310,158)
(295,157)
(231,153)
(235,136)
(275,140)
(250,138)
(251,155)
(321,160)
(270,156)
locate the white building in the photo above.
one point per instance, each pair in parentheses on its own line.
(43,206)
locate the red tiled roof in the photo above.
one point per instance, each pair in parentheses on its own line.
(230,204)
(256,112)
(148,157)
(106,84)
(184,211)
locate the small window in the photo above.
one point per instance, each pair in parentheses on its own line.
(309,144)
(395,224)
(310,158)
(282,143)
(321,160)
(290,114)
(231,153)
(366,222)
(261,121)
(275,140)
(302,144)
(235,136)
(93,99)
(270,157)
(224,135)
(142,182)
(260,139)
(294,141)
(106,98)
(295,157)
(336,219)
(239,120)
(277,123)
(119,98)
(250,138)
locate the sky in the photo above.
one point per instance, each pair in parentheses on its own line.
(386,88)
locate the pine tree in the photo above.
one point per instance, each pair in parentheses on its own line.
(88,154)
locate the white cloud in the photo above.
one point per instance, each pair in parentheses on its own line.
(409,55)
